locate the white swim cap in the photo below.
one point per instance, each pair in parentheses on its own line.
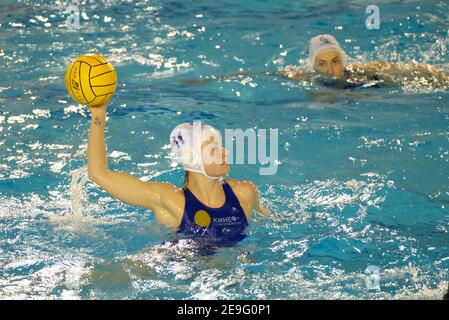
(186,140)
(321,43)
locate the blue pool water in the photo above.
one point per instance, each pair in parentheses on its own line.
(362,178)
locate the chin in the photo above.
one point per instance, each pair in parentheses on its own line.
(225,170)
(219,171)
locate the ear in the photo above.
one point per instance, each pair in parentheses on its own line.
(188,158)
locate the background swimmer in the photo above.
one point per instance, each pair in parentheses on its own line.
(327,58)
(327,64)
(207,205)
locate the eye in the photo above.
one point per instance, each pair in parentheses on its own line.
(336,61)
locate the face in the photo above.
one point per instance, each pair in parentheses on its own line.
(329,63)
(215,157)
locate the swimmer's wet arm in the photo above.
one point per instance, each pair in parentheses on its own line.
(259,206)
(295,74)
(401,70)
(120,185)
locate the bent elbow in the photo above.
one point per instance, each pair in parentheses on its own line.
(96,176)
(92,177)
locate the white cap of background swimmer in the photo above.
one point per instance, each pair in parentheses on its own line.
(186,140)
(322,43)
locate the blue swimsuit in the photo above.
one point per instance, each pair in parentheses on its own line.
(225,225)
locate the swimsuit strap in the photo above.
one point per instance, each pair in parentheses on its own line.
(231,198)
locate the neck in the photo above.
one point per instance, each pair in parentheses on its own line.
(206,189)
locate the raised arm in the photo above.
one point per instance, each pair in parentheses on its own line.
(163,198)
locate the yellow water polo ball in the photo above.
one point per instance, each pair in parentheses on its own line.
(90,79)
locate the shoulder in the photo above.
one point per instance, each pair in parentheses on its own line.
(354,67)
(246,193)
(293,73)
(163,191)
(365,64)
(245,190)
(370,66)
(170,202)
(243,186)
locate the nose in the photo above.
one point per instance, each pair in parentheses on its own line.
(331,70)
